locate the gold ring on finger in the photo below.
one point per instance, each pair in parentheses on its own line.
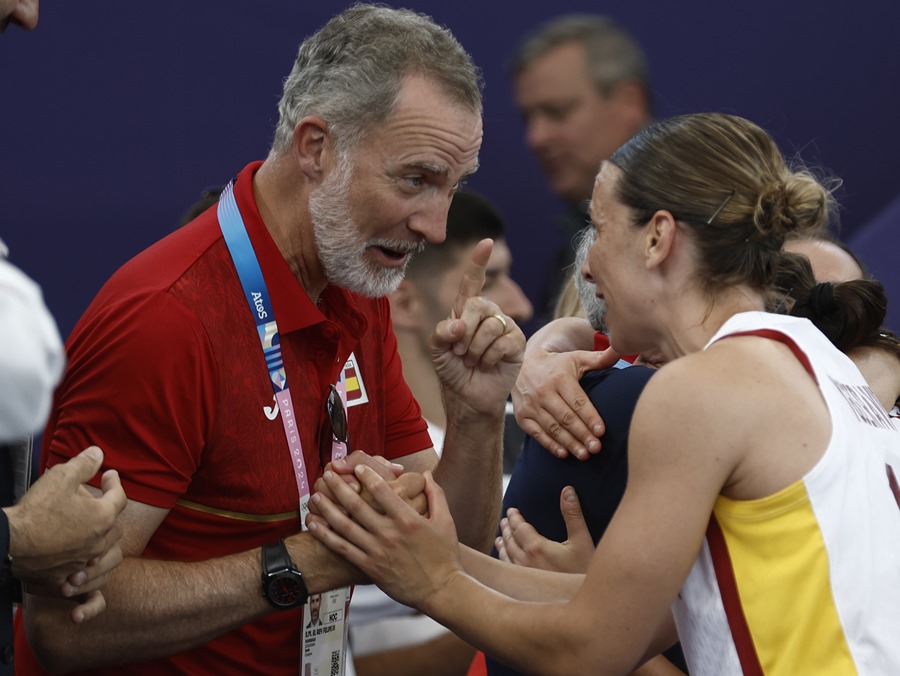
(500,319)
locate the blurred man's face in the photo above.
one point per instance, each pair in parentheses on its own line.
(499,287)
(23,13)
(569,124)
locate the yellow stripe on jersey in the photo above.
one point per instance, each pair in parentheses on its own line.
(781,568)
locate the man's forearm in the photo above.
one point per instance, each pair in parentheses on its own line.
(469,472)
(159,608)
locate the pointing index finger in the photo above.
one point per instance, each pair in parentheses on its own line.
(473,277)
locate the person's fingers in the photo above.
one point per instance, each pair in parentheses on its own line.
(495,343)
(334,528)
(322,531)
(570,507)
(500,546)
(336,513)
(420,504)
(113,493)
(409,485)
(473,277)
(514,552)
(82,467)
(94,575)
(89,606)
(523,532)
(533,429)
(607,358)
(395,468)
(436,496)
(366,515)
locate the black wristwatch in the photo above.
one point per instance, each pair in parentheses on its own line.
(282,583)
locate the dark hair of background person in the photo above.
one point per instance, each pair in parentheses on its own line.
(208,197)
(850,314)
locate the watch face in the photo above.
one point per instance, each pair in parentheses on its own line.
(286,590)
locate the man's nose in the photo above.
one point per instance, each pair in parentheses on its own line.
(431,221)
(538,132)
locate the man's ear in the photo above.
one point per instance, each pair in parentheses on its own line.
(312,147)
(659,239)
(406,307)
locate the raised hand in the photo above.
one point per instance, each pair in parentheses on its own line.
(549,402)
(478,350)
(408,555)
(522,545)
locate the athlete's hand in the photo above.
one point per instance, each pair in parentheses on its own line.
(408,555)
(549,402)
(521,544)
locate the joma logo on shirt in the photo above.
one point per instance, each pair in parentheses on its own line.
(271,411)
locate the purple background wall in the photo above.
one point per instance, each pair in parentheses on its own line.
(116,114)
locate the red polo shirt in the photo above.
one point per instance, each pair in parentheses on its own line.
(167,376)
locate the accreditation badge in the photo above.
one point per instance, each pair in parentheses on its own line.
(325,633)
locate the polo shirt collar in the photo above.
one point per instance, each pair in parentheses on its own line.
(293,307)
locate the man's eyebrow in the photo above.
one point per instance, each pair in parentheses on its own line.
(470,172)
(437,169)
(430,167)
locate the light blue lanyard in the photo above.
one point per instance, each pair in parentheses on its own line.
(257,295)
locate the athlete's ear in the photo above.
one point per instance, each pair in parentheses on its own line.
(312,147)
(659,237)
(407,312)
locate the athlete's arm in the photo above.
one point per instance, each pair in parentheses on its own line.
(619,616)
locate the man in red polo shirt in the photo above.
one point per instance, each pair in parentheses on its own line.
(229,363)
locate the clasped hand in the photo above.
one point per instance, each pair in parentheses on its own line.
(64,540)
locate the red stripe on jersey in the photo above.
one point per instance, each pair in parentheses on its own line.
(781,338)
(892,480)
(731,600)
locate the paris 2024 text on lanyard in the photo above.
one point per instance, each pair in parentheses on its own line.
(323,651)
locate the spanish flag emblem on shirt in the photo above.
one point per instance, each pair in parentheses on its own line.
(356,389)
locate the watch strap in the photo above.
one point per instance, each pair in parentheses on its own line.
(275,557)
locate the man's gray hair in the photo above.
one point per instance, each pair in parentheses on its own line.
(594,308)
(613,54)
(350,71)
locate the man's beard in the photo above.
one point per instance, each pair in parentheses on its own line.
(342,250)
